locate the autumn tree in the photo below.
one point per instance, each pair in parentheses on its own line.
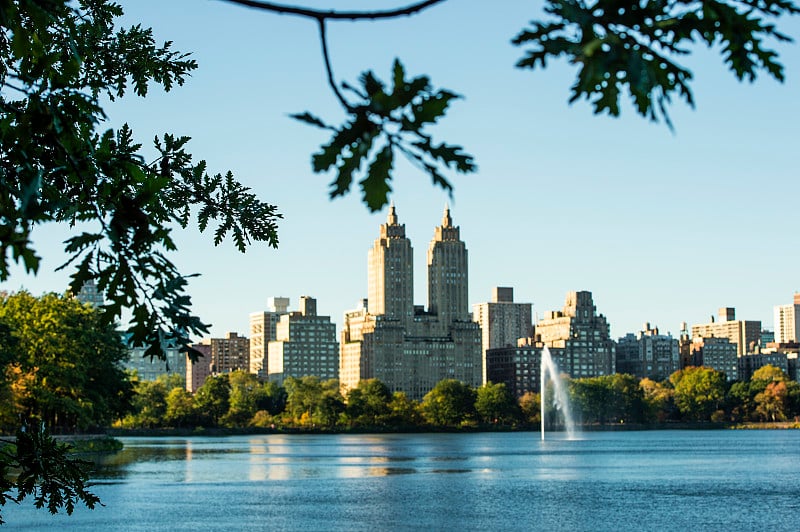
(699,391)
(659,399)
(530,405)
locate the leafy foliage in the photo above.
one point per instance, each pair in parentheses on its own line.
(450,403)
(699,391)
(386,121)
(42,469)
(58,59)
(63,366)
(622,45)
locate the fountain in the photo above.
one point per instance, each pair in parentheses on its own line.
(560,395)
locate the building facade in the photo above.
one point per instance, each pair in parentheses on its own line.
(581,334)
(390,272)
(745,334)
(787,322)
(262,332)
(89,293)
(150,368)
(197,372)
(648,354)
(305,345)
(716,353)
(406,347)
(502,323)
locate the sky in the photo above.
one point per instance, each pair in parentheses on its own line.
(661,226)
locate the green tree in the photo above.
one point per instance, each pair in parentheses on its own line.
(404,412)
(615,398)
(699,391)
(273,398)
(368,403)
(63,363)
(60,61)
(213,399)
(495,404)
(181,410)
(450,403)
(245,394)
(313,402)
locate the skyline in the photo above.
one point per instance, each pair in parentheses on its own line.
(660,227)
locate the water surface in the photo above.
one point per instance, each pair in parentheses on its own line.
(657,480)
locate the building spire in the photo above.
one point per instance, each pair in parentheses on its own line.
(392,218)
(447,221)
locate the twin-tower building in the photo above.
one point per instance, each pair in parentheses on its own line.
(408,347)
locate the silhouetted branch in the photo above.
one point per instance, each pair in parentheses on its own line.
(338,15)
(323,39)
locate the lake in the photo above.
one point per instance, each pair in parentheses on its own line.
(650,480)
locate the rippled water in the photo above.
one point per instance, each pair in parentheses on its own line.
(657,480)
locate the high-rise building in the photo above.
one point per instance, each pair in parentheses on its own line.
(391,272)
(502,322)
(745,334)
(404,346)
(648,354)
(718,353)
(230,353)
(305,345)
(582,334)
(262,332)
(787,322)
(447,273)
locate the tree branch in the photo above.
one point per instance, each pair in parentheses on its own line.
(337,15)
(324,42)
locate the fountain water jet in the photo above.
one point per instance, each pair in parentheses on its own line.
(560,396)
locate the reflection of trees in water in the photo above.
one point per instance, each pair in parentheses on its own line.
(116,465)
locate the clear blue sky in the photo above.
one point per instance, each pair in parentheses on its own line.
(662,227)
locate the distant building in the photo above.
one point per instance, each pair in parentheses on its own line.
(197,372)
(716,353)
(262,332)
(401,344)
(648,354)
(230,353)
(787,322)
(90,294)
(305,345)
(502,322)
(767,337)
(745,334)
(749,364)
(582,334)
(149,369)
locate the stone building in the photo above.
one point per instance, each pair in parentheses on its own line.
(787,322)
(581,334)
(648,354)
(391,339)
(745,334)
(262,332)
(305,345)
(716,353)
(502,322)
